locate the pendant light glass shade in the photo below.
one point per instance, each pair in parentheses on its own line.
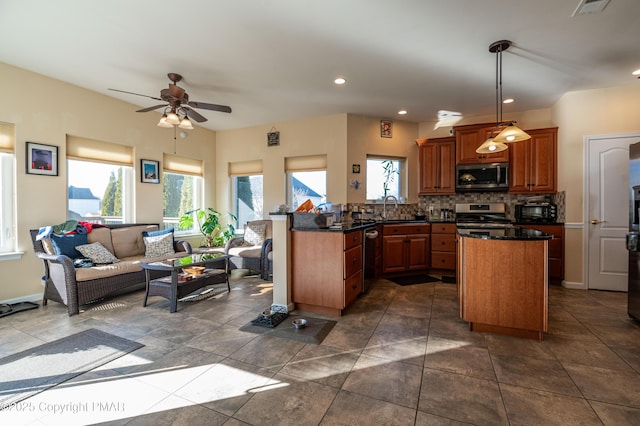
(185,124)
(163,122)
(511,133)
(490,146)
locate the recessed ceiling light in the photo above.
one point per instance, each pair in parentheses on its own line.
(508,101)
(402,112)
(339,81)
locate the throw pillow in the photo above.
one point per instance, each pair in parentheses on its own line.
(97,253)
(254,234)
(66,244)
(159,245)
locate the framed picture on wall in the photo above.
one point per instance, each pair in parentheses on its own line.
(42,159)
(385,128)
(150,171)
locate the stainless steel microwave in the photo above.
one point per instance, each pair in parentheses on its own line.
(482,177)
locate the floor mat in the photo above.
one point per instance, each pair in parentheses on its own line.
(449,280)
(9,309)
(414,279)
(315,331)
(32,371)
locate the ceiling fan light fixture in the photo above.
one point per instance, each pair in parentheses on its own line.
(163,122)
(490,146)
(172,118)
(511,133)
(185,123)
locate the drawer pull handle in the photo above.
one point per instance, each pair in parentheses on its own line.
(355,238)
(354,286)
(355,259)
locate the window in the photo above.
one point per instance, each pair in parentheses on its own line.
(246,191)
(385,176)
(100,181)
(7,197)
(306,180)
(182,189)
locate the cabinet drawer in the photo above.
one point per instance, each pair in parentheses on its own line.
(443,242)
(443,228)
(352,261)
(352,239)
(352,288)
(555,268)
(442,260)
(406,229)
(555,247)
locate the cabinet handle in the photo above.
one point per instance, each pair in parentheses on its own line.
(355,259)
(355,238)
(354,286)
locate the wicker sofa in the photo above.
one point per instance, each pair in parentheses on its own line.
(75,287)
(254,249)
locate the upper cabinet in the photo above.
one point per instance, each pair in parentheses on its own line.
(533,163)
(436,159)
(469,138)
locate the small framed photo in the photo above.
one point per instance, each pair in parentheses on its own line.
(386,128)
(42,159)
(150,171)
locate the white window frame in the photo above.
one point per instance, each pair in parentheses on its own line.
(234,198)
(198,203)
(401,179)
(7,208)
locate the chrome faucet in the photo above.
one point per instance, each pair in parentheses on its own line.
(384,205)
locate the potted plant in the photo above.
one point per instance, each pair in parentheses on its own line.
(210,226)
(389,174)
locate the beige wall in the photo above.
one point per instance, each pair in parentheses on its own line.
(45,111)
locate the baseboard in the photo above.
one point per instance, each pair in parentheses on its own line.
(573,285)
(30,298)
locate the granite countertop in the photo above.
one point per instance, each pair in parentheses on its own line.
(343,227)
(515,233)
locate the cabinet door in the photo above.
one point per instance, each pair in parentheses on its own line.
(543,160)
(447,167)
(519,167)
(428,158)
(393,253)
(437,165)
(418,252)
(469,139)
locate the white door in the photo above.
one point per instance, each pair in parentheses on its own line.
(607,209)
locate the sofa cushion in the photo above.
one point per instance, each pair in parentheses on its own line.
(123,267)
(254,233)
(97,253)
(102,236)
(128,241)
(66,244)
(158,245)
(253,251)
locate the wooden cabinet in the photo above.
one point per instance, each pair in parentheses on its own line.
(443,246)
(469,138)
(533,163)
(405,248)
(326,270)
(436,163)
(503,286)
(556,249)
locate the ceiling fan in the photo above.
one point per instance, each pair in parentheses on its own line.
(177,102)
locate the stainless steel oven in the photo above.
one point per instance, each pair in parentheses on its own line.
(482,218)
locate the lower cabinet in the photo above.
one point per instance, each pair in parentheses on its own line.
(556,249)
(326,270)
(405,248)
(443,246)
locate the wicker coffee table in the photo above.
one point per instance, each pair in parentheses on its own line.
(179,284)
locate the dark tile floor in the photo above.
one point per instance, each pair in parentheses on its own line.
(400,356)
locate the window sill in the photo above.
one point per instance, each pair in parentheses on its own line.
(14,255)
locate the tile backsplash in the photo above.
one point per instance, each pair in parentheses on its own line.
(438,203)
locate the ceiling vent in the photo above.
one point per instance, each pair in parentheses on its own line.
(590,6)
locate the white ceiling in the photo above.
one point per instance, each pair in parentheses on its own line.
(275,60)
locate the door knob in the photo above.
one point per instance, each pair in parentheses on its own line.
(596,221)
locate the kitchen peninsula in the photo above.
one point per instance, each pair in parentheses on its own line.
(327,266)
(503,281)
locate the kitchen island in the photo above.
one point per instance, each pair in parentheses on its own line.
(503,281)
(327,266)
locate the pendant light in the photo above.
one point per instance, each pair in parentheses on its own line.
(511,133)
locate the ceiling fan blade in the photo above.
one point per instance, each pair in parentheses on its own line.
(137,94)
(212,107)
(152,108)
(195,115)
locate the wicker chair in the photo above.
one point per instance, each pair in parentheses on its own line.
(253,249)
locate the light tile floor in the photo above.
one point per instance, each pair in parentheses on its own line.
(400,356)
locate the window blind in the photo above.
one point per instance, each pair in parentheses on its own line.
(79,148)
(6,137)
(183,165)
(310,162)
(245,168)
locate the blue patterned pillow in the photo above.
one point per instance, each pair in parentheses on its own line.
(66,244)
